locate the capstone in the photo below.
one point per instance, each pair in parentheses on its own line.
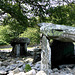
(58,32)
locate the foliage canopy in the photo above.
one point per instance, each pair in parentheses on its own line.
(21,14)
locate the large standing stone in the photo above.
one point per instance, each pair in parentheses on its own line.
(45,55)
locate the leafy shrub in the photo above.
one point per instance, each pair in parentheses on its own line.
(3,42)
(27,68)
(63,15)
(4,35)
(33,35)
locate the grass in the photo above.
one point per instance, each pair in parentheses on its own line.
(29,47)
(11,48)
(5,48)
(74,43)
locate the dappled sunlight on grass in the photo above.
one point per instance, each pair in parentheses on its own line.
(5,48)
(11,48)
(74,43)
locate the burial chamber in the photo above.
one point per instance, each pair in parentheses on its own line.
(19,46)
(61,53)
(61,49)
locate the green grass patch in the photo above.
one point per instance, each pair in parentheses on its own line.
(5,48)
(27,68)
(11,48)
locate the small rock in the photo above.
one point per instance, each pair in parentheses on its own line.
(3,57)
(13,61)
(20,64)
(2,68)
(21,73)
(34,68)
(62,73)
(11,67)
(68,70)
(19,61)
(23,66)
(0,63)
(38,69)
(73,71)
(21,69)
(56,73)
(69,74)
(41,73)
(37,65)
(62,66)
(2,72)
(50,71)
(16,71)
(55,70)
(31,72)
(10,73)
(5,63)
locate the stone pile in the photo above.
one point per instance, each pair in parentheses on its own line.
(16,66)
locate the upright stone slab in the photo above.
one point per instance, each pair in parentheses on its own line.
(17,49)
(45,55)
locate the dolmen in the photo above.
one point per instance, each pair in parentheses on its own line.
(19,46)
(61,48)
